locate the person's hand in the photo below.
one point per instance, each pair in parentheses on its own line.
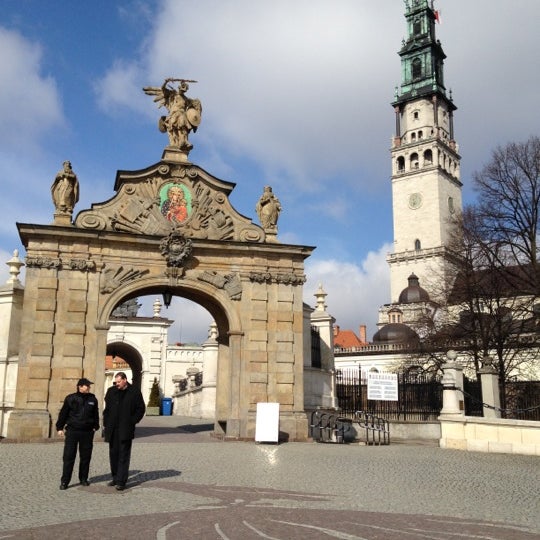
(61,432)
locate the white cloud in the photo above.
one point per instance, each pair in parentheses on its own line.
(30,105)
(279,81)
(120,88)
(4,271)
(354,291)
(191,321)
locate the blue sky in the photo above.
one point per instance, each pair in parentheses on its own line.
(295,94)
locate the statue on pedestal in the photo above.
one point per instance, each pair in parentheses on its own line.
(268,209)
(184,113)
(65,190)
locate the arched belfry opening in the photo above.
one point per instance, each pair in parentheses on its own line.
(169,227)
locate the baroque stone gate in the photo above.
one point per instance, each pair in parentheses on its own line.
(169,228)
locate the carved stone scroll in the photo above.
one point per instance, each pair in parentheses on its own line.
(82,264)
(116,277)
(230,283)
(43,262)
(287,278)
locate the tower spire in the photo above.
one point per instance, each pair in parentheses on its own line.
(426,186)
(422,57)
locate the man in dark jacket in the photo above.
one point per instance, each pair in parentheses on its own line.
(78,420)
(124,408)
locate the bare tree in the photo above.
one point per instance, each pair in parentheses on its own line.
(508,190)
(490,299)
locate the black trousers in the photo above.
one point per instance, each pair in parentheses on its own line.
(84,440)
(119,458)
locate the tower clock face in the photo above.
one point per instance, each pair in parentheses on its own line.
(415,201)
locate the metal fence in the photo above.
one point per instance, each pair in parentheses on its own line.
(521,400)
(420,396)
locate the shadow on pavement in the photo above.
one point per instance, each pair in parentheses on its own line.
(174,429)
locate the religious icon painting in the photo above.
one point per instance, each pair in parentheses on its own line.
(175,202)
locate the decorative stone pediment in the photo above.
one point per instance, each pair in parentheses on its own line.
(168,196)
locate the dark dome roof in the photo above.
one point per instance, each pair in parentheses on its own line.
(413,293)
(395,333)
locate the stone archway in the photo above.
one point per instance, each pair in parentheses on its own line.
(131,356)
(77,273)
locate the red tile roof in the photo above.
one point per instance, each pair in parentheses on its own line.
(346,339)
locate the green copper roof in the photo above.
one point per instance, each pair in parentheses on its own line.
(422,57)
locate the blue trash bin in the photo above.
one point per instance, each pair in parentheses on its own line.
(166,406)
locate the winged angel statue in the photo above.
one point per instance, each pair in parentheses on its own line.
(184,113)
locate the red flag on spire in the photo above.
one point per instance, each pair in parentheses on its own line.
(437,14)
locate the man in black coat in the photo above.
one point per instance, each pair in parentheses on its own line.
(78,420)
(124,408)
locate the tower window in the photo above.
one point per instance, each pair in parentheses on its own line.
(413,137)
(416,68)
(414,161)
(415,114)
(401,164)
(417,26)
(428,157)
(417,245)
(420,134)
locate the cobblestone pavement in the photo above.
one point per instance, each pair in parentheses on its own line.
(186,484)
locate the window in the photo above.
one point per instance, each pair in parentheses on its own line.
(416,68)
(315,348)
(401,164)
(428,157)
(417,245)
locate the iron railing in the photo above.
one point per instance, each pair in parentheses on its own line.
(420,396)
(521,400)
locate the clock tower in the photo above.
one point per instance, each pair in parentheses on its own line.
(426,186)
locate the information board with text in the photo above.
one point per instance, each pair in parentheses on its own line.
(382,386)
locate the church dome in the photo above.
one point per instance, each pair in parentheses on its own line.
(413,293)
(395,333)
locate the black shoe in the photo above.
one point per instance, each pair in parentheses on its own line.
(63,486)
(120,487)
(112,483)
(85,483)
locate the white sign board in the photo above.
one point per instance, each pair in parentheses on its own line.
(382,386)
(267,422)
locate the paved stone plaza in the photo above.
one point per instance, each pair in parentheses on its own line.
(186,484)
